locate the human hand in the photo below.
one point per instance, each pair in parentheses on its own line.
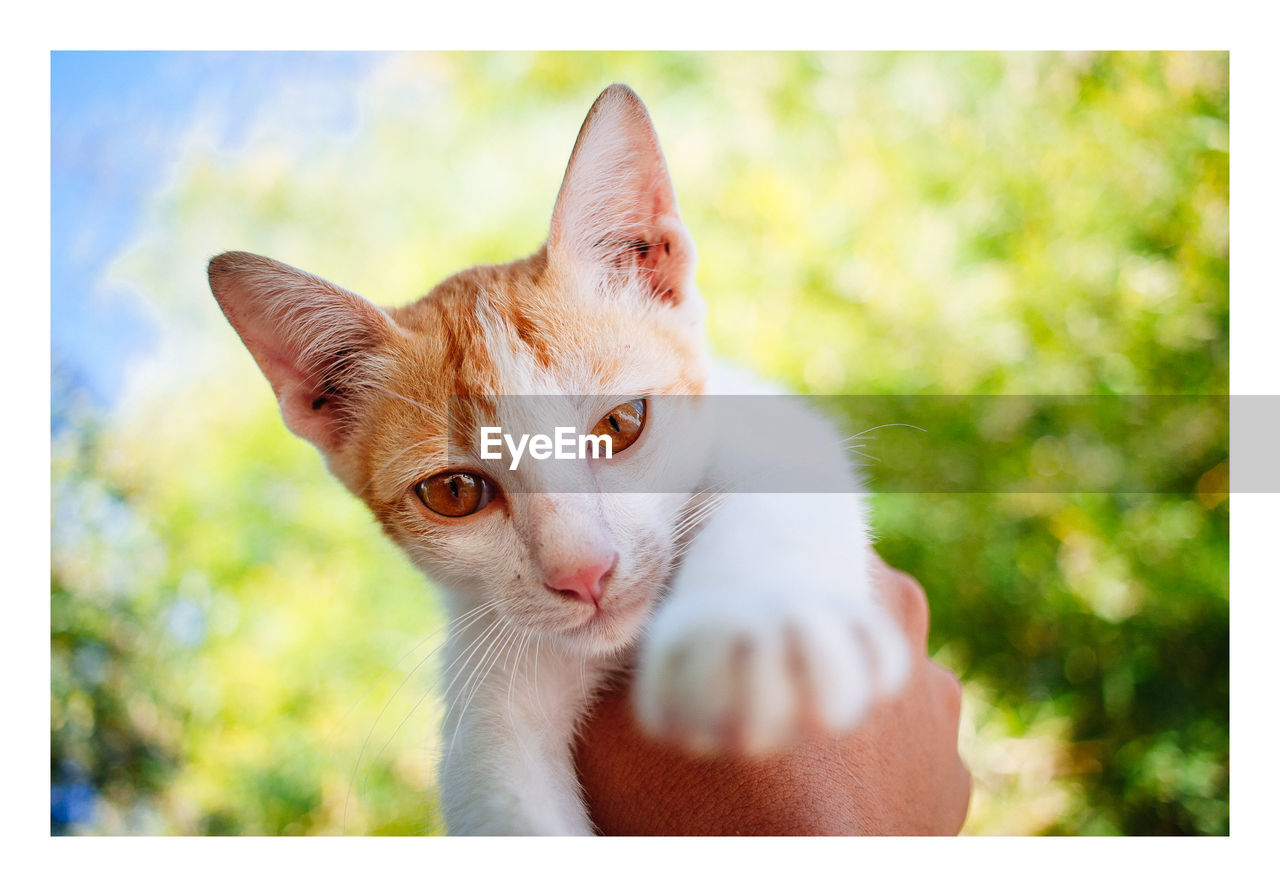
(898,773)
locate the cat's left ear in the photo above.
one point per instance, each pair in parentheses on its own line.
(617,207)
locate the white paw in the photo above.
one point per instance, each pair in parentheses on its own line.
(754,672)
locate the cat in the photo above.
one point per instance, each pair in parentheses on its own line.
(748,616)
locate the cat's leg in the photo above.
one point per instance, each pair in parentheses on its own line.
(508,746)
(771,628)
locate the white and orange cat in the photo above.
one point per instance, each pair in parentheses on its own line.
(748,615)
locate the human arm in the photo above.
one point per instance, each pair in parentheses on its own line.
(897,773)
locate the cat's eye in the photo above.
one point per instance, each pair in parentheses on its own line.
(623,423)
(455,493)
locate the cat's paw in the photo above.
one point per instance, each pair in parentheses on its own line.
(753,673)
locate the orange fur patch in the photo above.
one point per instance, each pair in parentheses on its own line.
(459,342)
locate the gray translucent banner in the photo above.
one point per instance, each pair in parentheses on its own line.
(898,443)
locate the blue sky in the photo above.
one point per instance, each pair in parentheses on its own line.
(118,123)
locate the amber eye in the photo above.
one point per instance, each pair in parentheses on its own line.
(455,493)
(623,423)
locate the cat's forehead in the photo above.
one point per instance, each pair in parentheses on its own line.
(516,329)
(525,328)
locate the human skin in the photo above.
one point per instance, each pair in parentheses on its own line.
(898,773)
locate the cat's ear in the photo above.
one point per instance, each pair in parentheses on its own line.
(617,208)
(316,343)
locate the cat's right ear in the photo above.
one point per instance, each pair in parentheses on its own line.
(316,343)
(617,207)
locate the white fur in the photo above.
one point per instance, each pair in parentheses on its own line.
(769,581)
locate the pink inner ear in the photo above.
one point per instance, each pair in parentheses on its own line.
(309,408)
(308,337)
(616,205)
(652,261)
(659,262)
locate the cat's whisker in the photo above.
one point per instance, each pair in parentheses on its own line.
(471,649)
(684,533)
(484,644)
(520,650)
(698,514)
(695,514)
(704,501)
(886,425)
(512,638)
(707,501)
(862,454)
(490,649)
(475,646)
(455,622)
(510,634)
(458,623)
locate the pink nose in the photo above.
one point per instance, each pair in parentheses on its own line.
(584,582)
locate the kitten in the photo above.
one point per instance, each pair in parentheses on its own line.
(749,616)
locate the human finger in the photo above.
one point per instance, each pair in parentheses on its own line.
(905,600)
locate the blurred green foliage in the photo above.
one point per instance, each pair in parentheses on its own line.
(233,642)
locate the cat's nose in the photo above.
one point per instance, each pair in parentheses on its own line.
(585,581)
